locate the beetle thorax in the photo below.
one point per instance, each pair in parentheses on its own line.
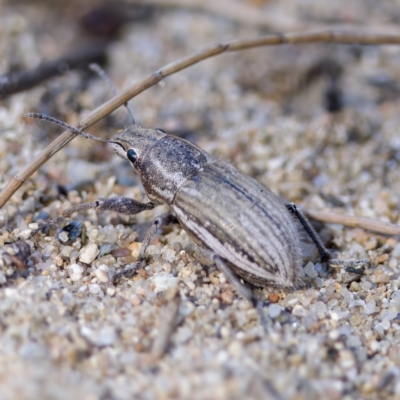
(167,164)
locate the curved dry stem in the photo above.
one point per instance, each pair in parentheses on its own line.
(369,224)
(325,35)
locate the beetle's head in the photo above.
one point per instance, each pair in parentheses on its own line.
(134,141)
(130,144)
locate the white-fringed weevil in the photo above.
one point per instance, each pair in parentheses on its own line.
(238,224)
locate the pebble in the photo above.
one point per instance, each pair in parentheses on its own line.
(25,234)
(135,248)
(396,251)
(73,230)
(164,282)
(108,234)
(105,249)
(111,291)
(385,324)
(121,252)
(169,255)
(298,311)
(41,215)
(75,272)
(106,336)
(94,288)
(388,314)
(101,275)
(88,253)
(63,237)
(310,271)
(274,310)
(369,307)
(66,251)
(393,263)
(273,297)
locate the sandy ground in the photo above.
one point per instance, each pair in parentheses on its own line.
(67,332)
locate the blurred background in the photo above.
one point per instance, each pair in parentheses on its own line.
(317,123)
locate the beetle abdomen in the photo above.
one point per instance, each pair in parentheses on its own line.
(243,222)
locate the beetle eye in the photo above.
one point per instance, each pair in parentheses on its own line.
(131,155)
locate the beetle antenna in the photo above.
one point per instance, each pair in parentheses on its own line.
(64,125)
(103,75)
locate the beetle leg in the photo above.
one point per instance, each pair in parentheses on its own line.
(355,267)
(211,258)
(121,205)
(322,250)
(160,221)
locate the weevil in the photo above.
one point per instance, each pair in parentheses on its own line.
(238,223)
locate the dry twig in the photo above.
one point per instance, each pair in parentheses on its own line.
(369,224)
(14,82)
(327,36)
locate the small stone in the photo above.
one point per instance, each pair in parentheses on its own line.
(385,324)
(167,267)
(94,288)
(222,278)
(274,310)
(382,278)
(111,291)
(63,237)
(184,334)
(381,259)
(396,295)
(73,230)
(369,307)
(273,297)
(393,263)
(104,337)
(143,273)
(164,282)
(298,311)
(120,252)
(396,251)
(108,234)
(169,255)
(310,271)
(101,275)
(135,248)
(88,253)
(136,300)
(75,272)
(227,297)
(366,285)
(105,249)
(356,320)
(66,251)
(25,234)
(388,315)
(235,349)
(75,277)
(355,287)
(93,235)
(41,215)
(371,244)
